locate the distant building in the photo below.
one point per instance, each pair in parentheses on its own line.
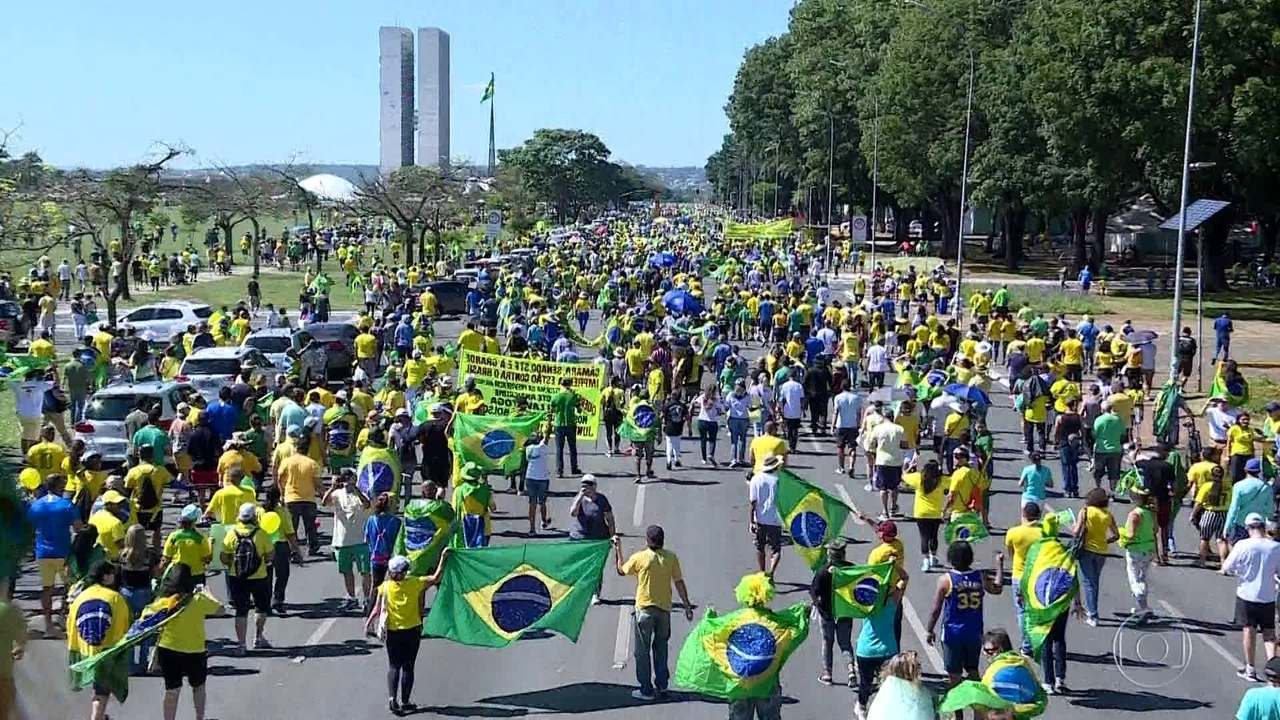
(433,97)
(395,98)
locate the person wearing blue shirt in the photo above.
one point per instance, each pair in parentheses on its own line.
(380,532)
(721,353)
(404,336)
(54,518)
(813,347)
(958,601)
(1262,703)
(223,415)
(1034,479)
(1085,278)
(1222,329)
(876,644)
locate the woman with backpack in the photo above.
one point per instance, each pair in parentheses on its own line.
(380,532)
(247,551)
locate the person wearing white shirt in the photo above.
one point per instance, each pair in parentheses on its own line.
(791,400)
(888,441)
(1255,562)
(707,408)
(29,400)
(537,480)
(1220,417)
(871,417)
(765,522)
(761,394)
(827,335)
(844,424)
(877,365)
(738,403)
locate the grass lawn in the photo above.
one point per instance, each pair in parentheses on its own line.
(10,431)
(1048,300)
(279,288)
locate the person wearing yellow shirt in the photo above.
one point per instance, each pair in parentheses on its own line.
(401,599)
(1017,541)
(795,348)
(361,401)
(980,304)
(367,354)
(186,545)
(762,446)
(1035,350)
(42,347)
(240,328)
(1063,390)
(645,341)
(1034,422)
(46,456)
(249,587)
(1122,405)
(656,382)
(415,372)
(236,455)
(471,339)
(635,359)
(1201,471)
(929,495)
(1072,352)
(964,493)
(299,476)
(146,483)
(954,426)
(1240,438)
(110,527)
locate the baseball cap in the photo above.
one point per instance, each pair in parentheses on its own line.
(1254,520)
(588,479)
(398,565)
(248,512)
(111,497)
(887,530)
(190,513)
(1254,466)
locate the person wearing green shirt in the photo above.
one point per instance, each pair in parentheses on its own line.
(1001,298)
(150,435)
(79,378)
(1108,444)
(1138,538)
(564,418)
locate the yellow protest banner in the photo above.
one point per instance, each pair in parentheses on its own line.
(504,380)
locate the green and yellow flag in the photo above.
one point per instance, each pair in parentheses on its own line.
(424,532)
(492,596)
(967,526)
(488,91)
(378,471)
(739,655)
(1012,677)
(471,503)
(811,516)
(1048,585)
(859,591)
(494,442)
(641,422)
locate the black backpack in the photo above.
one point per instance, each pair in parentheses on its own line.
(245,559)
(147,497)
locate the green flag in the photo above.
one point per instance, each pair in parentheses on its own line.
(1048,585)
(488,91)
(858,591)
(971,693)
(492,596)
(110,667)
(1166,413)
(424,532)
(967,526)
(739,655)
(811,516)
(378,471)
(641,422)
(494,442)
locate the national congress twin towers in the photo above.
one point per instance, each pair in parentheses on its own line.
(397,116)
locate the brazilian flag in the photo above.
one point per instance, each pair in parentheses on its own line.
(739,655)
(378,471)
(494,442)
(1236,393)
(98,621)
(150,622)
(16,368)
(471,503)
(492,596)
(1048,585)
(424,532)
(641,422)
(967,526)
(811,516)
(1012,677)
(859,591)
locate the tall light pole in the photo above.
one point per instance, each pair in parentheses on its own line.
(777,172)
(1182,212)
(875,181)
(831,170)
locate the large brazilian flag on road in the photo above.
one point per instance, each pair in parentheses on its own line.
(492,596)
(494,442)
(739,655)
(811,516)
(859,591)
(1048,585)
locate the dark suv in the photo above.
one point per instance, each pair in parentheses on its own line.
(339,341)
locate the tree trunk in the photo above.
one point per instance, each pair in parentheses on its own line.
(257,248)
(949,209)
(408,248)
(1079,241)
(1015,226)
(228,230)
(1268,231)
(1099,239)
(126,257)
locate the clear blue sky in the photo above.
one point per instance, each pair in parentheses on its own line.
(240,81)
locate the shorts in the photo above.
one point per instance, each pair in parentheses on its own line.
(31,428)
(151,522)
(353,556)
(1184,367)
(537,489)
(175,666)
(50,570)
(1255,614)
(846,438)
(1073,373)
(246,594)
(887,477)
(770,535)
(961,656)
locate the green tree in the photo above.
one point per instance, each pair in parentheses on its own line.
(568,169)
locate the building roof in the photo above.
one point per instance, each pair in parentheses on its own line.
(330,188)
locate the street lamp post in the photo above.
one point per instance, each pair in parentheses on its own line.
(831,169)
(777,173)
(875,181)
(1182,212)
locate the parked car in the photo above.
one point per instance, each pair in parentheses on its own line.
(451,296)
(211,369)
(160,321)
(339,340)
(13,325)
(102,427)
(275,343)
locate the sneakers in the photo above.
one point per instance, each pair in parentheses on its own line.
(1091,620)
(924,565)
(1048,689)
(867,487)
(262,643)
(1247,673)
(1060,687)
(859,712)
(595,598)
(840,470)
(642,695)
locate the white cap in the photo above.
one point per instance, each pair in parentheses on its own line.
(248,512)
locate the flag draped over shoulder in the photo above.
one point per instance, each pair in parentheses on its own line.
(494,442)
(640,424)
(97,621)
(492,596)
(1236,393)
(966,526)
(1012,677)
(424,532)
(378,471)
(471,504)
(739,655)
(1048,585)
(811,516)
(859,591)
(1166,413)
(16,368)
(150,622)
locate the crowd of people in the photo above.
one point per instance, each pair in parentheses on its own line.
(697,331)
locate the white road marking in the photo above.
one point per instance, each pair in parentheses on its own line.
(1003,381)
(637,512)
(848,500)
(317,636)
(935,658)
(1214,645)
(622,641)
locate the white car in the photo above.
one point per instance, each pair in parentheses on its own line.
(102,427)
(211,369)
(275,343)
(160,321)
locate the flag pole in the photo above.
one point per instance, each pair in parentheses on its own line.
(493,154)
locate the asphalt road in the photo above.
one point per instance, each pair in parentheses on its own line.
(324,668)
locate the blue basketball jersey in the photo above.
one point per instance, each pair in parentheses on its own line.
(962,610)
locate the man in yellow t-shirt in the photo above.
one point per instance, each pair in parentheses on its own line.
(1017,540)
(46,456)
(298,475)
(656,570)
(966,484)
(249,589)
(226,500)
(187,546)
(765,445)
(367,354)
(107,521)
(1072,352)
